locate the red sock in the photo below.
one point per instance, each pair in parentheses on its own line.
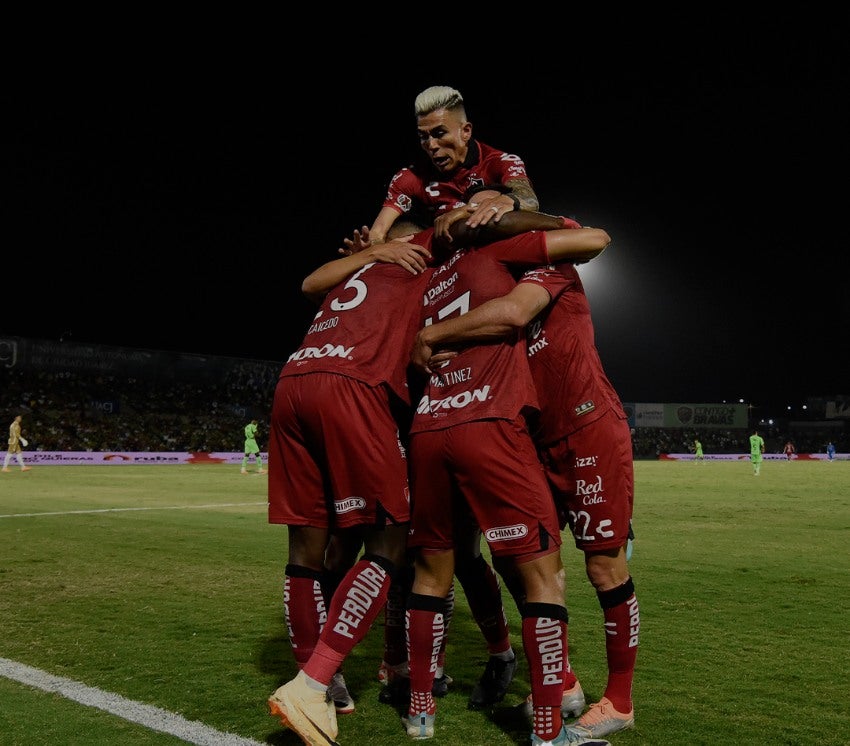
(543,641)
(304,610)
(395,636)
(425,631)
(570,678)
(622,628)
(447,620)
(355,605)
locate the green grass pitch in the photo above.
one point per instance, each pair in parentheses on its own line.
(163,584)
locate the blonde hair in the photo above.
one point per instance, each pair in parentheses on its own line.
(439,97)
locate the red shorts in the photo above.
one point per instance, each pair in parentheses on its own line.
(591,473)
(488,467)
(335,457)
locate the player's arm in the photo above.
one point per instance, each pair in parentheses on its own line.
(491,321)
(321,281)
(576,245)
(374,235)
(522,194)
(382,224)
(565,240)
(456,225)
(515,194)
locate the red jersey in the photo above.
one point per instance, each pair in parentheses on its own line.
(571,384)
(484,381)
(425,187)
(354,335)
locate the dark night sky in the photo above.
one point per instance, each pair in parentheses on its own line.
(180,210)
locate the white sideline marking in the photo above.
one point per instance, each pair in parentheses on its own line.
(151,717)
(120,510)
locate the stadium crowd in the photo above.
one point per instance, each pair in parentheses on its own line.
(84,411)
(78,412)
(651,442)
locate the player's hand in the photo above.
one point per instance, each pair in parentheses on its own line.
(440,359)
(358,242)
(420,354)
(425,359)
(488,206)
(443,222)
(413,257)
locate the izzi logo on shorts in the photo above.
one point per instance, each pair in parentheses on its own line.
(506,533)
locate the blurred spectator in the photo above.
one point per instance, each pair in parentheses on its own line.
(199,409)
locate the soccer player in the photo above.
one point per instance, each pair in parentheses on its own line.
(756,451)
(698,454)
(830,451)
(251,448)
(452,163)
(16,440)
(470,446)
(432,191)
(337,464)
(480,582)
(789,450)
(585,443)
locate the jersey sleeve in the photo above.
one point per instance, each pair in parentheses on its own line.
(404,188)
(549,278)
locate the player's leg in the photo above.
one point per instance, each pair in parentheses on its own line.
(602,531)
(426,607)
(340,555)
(544,617)
(504,486)
(609,574)
(305,608)
(296,497)
(355,604)
(302,702)
(484,594)
(393,672)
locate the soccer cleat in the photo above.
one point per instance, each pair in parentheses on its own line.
(5,468)
(440,688)
(340,696)
(420,727)
(306,711)
(395,692)
(262,471)
(243,471)
(572,703)
(493,684)
(26,468)
(565,738)
(602,719)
